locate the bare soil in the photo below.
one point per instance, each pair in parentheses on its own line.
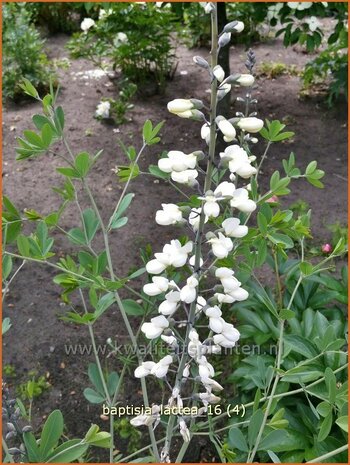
(38,338)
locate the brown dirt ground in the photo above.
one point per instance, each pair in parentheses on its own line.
(37,338)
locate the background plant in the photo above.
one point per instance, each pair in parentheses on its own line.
(23,54)
(135,39)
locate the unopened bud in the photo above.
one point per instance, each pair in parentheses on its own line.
(201,62)
(234,26)
(225,38)
(27,429)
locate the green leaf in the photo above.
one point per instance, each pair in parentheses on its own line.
(324,408)
(29,89)
(91,223)
(301,345)
(237,440)
(95,378)
(104,303)
(282,239)
(68,172)
(119,223)
(52,431)
(34,139)
(254,426)
(77,236)
(6,267)
(326,426)
(132,308)
(306,268)
(68,452)
(331,384)
(343,423)
(59,120)
(32,448)
(262,223)
(23,245)
(286,314)
(112,382)
(94,397)
(6,325)
(272,439)
(153,169)
(83,163)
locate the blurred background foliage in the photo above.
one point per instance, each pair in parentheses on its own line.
(153,31)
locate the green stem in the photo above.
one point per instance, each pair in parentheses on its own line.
(329,454)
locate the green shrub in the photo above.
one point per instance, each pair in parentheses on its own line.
(134,38)
(23,55)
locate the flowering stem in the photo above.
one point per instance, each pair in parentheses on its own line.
(198,240)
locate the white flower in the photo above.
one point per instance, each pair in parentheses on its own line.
(241,201)
(205,369)
(201,303)
(225,189)
(158,286)
(238,161)
(273,11)
(226,128)
(155,328)
(211,207)
(192,261)
(144,369)
(188,293)
(216,323)
(239,294)
(187,177)
(224,298)
(246,80)
(103,109)
(228,337)
(171,340)
(232,228)
(121,38)
(239,27)
(224,272)
(219,73)
(179,105)
(171,214)
(168,307)
(250,124)
(185,108)
(194,218)
(205,133)
(313,23)
(184,431)
(221,246)
(208,398)
(299,5)
(103,13)
(211,384)
(161,368)
(174,254)
(147,420)
(177,161)
(223,90)
(86,24)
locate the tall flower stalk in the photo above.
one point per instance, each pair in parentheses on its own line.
(187,350)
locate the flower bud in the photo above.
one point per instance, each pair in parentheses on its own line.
(201,62)
(226,128)
(219,73)
(246,80)
(250,124)
(234,26)
(232,79)
(326,248)
(224,39)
